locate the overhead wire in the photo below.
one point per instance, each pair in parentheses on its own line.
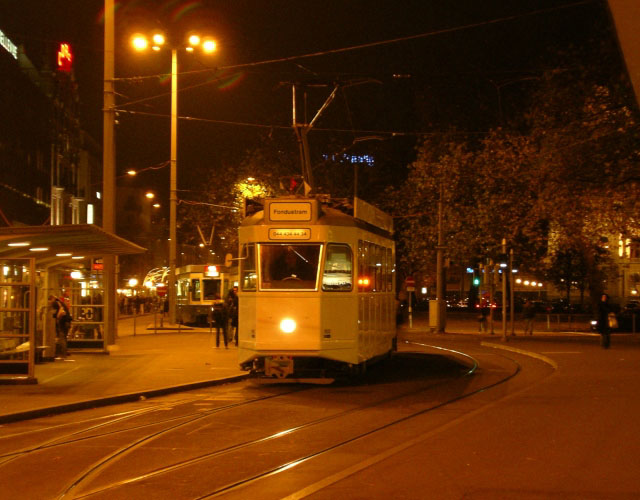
(372,44)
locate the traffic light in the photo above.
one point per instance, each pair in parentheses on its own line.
(476,281)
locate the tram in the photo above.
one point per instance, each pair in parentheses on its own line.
(199,288)
(316,296)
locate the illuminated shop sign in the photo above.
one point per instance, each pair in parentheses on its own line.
(290,234)
(64,57)
(8,45)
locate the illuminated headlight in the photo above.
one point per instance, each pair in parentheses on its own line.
(288,325)
(594,322)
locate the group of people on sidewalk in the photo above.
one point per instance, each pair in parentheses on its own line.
(528,314)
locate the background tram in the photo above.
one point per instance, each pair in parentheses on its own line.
(316,289)
(199,287)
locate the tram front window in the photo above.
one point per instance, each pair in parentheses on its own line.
(211,289)
(286,267)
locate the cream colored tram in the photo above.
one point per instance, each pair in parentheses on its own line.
(317,285)
(200,288)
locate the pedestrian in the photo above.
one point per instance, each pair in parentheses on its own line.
(528,313)
(62,318)
(604,326)
(232,312)
(482,317)
(220,319)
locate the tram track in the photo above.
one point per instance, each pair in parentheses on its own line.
(75,437)
(90,483)
(95,470)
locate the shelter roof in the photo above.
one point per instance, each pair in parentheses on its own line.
(62,242)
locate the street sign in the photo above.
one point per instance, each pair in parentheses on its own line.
(410,284)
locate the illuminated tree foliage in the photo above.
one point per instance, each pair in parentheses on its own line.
(219,201)
(564,183)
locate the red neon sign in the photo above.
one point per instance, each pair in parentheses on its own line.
(65,57)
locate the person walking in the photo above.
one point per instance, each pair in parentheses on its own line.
(604,309)
(482,317)
(220,319)
(528,313)
(62,318)
(232,312)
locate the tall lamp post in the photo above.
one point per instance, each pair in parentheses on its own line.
(156,41)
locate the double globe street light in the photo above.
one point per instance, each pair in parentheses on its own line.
(157,41)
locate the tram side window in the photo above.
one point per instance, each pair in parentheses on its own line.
(389,278)
(365,280)
(372,268)
(338,272)
(248,268)
(195,289)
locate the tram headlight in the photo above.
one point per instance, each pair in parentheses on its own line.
(287,325)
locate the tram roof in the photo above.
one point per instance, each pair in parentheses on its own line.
(85,240)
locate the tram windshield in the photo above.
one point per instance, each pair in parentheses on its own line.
(286,266)
(211,289)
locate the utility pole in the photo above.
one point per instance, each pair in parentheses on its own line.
(511,294)
(440,289)
(492,288)
(504,292)
(108,173)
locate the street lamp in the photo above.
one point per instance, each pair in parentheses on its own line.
(156,41)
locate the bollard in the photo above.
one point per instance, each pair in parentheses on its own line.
(134,321)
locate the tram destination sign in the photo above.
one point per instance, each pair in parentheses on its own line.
(291,211)
(289,233)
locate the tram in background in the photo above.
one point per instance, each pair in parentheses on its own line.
(200,288)
(317,286)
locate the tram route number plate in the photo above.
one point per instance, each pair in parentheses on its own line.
(278,366)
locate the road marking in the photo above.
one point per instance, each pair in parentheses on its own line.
(523,352)
(562,352)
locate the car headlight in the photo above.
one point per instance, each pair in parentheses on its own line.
(287,325)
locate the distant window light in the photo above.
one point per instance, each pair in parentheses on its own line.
(98,195)
(90,213)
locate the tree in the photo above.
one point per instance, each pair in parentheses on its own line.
(561,184)
(218,203)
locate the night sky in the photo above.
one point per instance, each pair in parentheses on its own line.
(449,62)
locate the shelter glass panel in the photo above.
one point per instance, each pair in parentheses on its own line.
(17,310)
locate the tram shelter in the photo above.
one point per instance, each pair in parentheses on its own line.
(38,261)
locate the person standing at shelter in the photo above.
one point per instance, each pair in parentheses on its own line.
(604,308)
(528,313)
(62,318)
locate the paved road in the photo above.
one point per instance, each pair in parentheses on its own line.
(565,426)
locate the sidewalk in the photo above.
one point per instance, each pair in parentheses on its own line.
(150,364)
(144,364)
